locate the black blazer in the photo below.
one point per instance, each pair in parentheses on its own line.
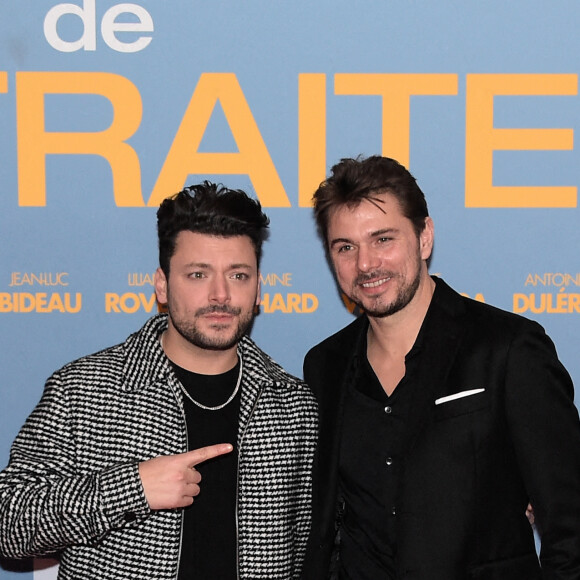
(473,463)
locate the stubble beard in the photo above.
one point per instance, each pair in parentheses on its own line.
(405,294)
(191,332)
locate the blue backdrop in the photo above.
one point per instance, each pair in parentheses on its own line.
(106,108)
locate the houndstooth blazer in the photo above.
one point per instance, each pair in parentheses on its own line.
(72,484)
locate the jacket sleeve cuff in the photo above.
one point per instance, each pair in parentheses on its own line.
(122,497)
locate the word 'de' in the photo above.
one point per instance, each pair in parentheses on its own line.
(110,27)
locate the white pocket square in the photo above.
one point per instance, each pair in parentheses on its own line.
(458,396)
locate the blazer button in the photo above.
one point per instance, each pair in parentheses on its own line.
(388,410)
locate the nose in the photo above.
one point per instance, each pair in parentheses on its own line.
(219,291)
(367,259)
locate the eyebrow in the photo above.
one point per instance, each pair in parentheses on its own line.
(383,231)
(375,234)
(206,266)
(340,241)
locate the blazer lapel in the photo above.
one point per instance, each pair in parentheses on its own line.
(329,378)
(439,341)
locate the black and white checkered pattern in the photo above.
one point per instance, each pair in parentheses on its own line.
(72,484)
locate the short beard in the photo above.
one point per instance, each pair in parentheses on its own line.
(405,296)
(190,332)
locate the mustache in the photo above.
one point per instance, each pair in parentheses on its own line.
(377,274)
(217,308)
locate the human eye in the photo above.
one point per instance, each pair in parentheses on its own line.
(196,275)
(344,248)
(242,276)
(384,237)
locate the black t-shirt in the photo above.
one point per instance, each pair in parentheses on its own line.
(209,538)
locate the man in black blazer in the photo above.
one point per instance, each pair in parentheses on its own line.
(441,418)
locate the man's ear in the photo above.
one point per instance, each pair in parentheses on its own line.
(160,282)
(258,291)
(426,239)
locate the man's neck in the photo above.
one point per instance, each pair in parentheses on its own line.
(196,359)
(395,335)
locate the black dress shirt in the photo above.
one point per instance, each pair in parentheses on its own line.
(371,460)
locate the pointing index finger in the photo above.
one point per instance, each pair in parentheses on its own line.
(197,456)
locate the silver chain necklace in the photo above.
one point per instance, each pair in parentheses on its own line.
(205,407)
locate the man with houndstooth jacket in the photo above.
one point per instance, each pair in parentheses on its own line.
(185,452)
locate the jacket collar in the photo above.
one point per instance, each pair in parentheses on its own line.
(146,363)
(144,359)
(446,306)
(439,340)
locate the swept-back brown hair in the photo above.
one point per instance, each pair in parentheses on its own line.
(354,180)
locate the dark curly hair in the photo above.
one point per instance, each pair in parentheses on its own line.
(209,208)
